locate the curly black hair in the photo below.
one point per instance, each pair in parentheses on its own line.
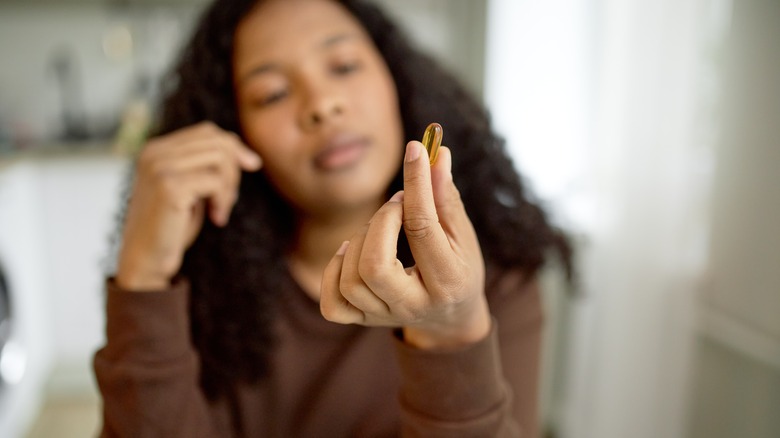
(237,273)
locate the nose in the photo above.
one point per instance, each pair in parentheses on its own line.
(322,102)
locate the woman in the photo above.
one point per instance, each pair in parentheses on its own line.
(263,288)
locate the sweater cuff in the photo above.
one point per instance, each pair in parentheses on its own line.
(454,384)
(148,326)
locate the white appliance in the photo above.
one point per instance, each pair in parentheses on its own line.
(25,357)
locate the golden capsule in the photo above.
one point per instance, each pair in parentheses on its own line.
(432,140)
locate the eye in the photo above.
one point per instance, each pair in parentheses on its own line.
(345,68)
(271,98)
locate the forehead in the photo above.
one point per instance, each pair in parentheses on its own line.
(278,27)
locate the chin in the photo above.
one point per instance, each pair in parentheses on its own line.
(345,202)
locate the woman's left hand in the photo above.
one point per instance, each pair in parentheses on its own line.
(440,301)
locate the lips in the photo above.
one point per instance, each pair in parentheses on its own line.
(341,152)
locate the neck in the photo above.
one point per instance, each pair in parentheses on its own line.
(318,238)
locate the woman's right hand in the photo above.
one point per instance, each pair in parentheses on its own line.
(178,178)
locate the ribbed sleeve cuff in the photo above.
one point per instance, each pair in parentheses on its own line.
(148,326)
(452,385)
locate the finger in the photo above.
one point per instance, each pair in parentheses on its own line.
(352,286)
(205,156)
(379,266)
(182,137)
(202,129)
(208,184)
(184,191)
(184,140)
(242,155)
(333,306)
(449,206)
(200,156)
(247,158)
(427,240)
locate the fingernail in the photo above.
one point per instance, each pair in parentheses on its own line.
(343,248)
(254,160)
(217,217)
(412,152)
(398,197)
(224,218)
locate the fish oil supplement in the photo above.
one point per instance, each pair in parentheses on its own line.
(432,140)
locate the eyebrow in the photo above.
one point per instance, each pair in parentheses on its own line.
(268,67)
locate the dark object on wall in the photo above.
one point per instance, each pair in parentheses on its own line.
(69,81)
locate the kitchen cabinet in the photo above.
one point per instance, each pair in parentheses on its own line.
(57,218)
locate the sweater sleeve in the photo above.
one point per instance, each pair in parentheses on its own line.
(148,370)
(489,388)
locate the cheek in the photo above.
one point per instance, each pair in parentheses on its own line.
(277,169)
(380,102)
(268,133)
(269,142)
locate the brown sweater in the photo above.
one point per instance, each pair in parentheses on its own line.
(326,380)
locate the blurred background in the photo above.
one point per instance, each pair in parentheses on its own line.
(649,129)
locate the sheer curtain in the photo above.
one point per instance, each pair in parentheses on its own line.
(608,108)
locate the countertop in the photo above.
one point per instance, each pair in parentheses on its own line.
(60,150)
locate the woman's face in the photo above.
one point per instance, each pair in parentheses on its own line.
(317,101)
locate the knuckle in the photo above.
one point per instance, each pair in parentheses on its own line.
(328,310)
(371,270)
(388,212)
(452,285)
(156,170)
(409,314)
(145,157)
(453,195)
(223,159)
(451,289)
(226,158)
(420,228)
(232,198)
(169,188)
(334,309)
(152,144)
(419,213)
(453,200)
(208,126)
(349,288)
(415,180)
(233,139)
(234,182)
(219,200)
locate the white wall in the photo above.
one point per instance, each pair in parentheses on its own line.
(538,82)
(608,106)
(737,369)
